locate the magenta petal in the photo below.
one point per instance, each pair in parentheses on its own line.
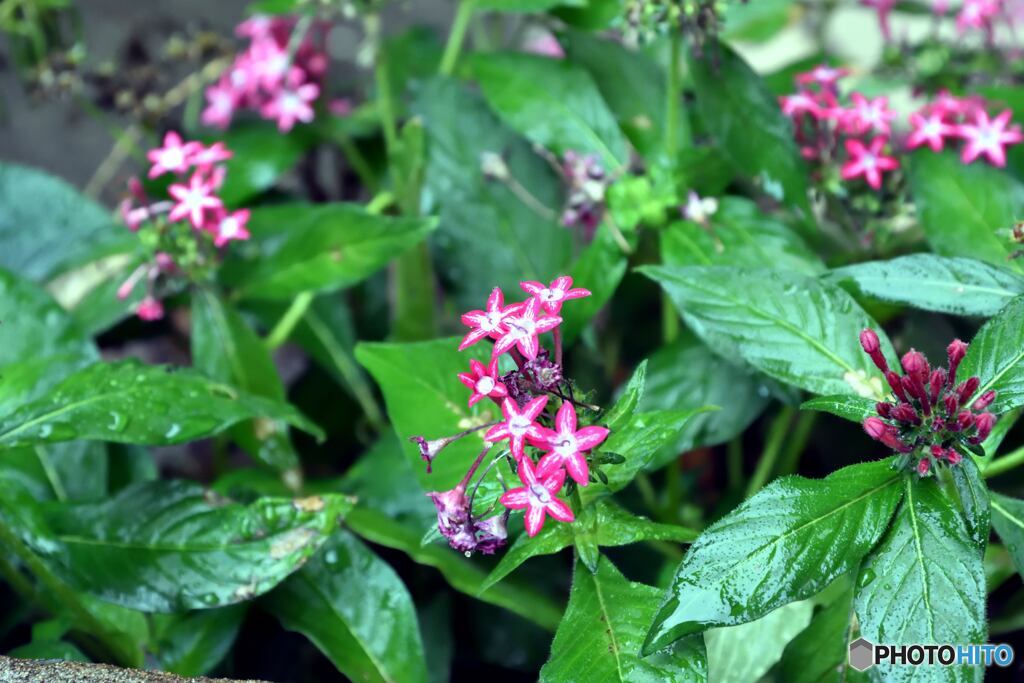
(475,398)
(590,437)
(563,283)
(498,391)
(496,300)
(504,344)
(565,420)
(515,499)
(548,465)
(534,407)
(548,323)
(532,287)
(560,511)
(577,468)
(477,367)
(529,347)
(535,520)
(577,293)
(472,338)
(554,480)
(497,433)
(467,379)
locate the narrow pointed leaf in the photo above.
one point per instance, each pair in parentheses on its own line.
(974,501)
(786,543)
(1008,522)
(853,408)
(996,356)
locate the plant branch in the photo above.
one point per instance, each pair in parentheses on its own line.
(284,327)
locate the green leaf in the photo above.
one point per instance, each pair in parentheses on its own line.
(963,207)
(745,653)
(464,575)
(552,102)
(226,349)
(325,247)
(353,606)
(611,526)
(853,408)
(1008,522)
(785,544)
(958,286)
(632,84)
(100,402)
(744,118)
(793,328)
(819,653)
(193,644)
(600,636)
(261,155)
(995,356)
(600,269)
(686,375)
(740,234)
(170,545)
(924,583)
(73,470)
(974,500)
(476,213)
(755,22)
(629,401)
(47,227)
(424,397)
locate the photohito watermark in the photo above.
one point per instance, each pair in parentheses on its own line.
(864,654)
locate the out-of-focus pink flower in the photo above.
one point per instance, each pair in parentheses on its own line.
(929,129)
(552,296)
(340,106)
(174,157)
(231,226)
(800,103)
(221,103)
(522,329)
(546,45)
(977,14)
(193,200)
(292,105)
(988,137)
(537,495)
(150,309)
(868,115)
(568,447)
(883,8)
(483,381)
(824,75)
(520,425)
(206,157)
(868,161)
(489,323)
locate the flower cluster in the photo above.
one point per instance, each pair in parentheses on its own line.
(180,228)
(586,186)
(973,15)
(544,445)
(859,136)
(279,75)
(932,419)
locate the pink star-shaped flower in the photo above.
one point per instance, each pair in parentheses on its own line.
(554,295)
(489,323)
(869,115)
(568,447)
(988,137)
(175,156)
(270,63)
(537,495)
(522,328)
(483,381)
(929,129)
(519,426)
(823,75)
(206,157)
(976,14)
(867,161)
(221,102)
(231,226)
(798,104)
(291,105)
(193,200)
(150,309)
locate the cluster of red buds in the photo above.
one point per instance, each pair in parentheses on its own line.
(280,74)
(543,444)
(184,230)
(859,137)
(932,418)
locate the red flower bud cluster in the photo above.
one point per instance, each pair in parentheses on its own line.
(933,420)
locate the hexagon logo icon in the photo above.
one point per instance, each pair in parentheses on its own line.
(862,654)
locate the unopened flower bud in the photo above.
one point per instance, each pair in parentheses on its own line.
(430,449)
(984,424)
(955,352)
(883,409)
(984,401)
(967,389)
(953,456)
(916,365)
(894,383)
(952,404)
(905,412)
(493,166)
(869,341)
(875,428)
(923,466)
(938,378)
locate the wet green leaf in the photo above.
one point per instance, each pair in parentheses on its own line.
(193,644)
(974,501)
(853,408)
(600,636)
(959,286)
(819,653)
(995,356)
(784,544)
(1008,522)
(745,653)
(355,608)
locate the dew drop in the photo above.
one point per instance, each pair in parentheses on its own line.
(117,422)
(173,431)
(211,599)
(866,578)
(331,557)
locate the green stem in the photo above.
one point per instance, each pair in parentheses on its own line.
(669,319)
(380,202)
(647,494)
(284,327)
(457,36)
(776,433)
(1004,464)
(673,97)
(797,442)
(357,161)
(387,112)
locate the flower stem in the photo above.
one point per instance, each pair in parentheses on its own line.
(476,464)
(457,36)
(673,97)
(557,332)
(284,327)
(776,433)
(1004,464)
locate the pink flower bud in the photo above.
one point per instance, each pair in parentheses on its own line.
(923,466)
(984,424)
(915,364)
(938,379)
(952,404)
(955,352)
(905,412)
(894,383)
(953,457)
(869,341)
(965,420)
(883,409)
(875,428)
(150,309)
(967,389)
(984,401)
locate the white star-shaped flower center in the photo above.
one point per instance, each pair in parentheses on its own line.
(484,385)
(548,295)
(518,424)
(566,445)
(539,494)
